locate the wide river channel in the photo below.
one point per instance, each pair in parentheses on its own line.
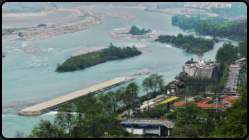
(25,77)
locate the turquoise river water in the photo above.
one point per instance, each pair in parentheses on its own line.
(25,77)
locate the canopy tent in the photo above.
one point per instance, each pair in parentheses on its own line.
(168,100)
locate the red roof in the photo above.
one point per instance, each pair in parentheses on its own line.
(231,100)
(179,103)
(201,105)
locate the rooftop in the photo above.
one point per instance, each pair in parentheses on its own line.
(231,100)
(201,105)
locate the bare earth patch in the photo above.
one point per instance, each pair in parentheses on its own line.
(127,36)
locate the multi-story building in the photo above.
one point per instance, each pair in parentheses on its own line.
(207,5)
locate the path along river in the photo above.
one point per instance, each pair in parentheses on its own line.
(25,77)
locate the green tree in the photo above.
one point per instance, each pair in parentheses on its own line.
(133,88)
(145,84)
(235,124)
(155,82)
(243,48)
(187,131)
(204,95)
(45,129)
(189,115)
(227,52)
(115,98)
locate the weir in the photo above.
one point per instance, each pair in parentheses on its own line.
(57,102)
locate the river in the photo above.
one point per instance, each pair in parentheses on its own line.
(32,77)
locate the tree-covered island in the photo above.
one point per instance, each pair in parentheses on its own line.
(188,42)
(94,58)
(135,31)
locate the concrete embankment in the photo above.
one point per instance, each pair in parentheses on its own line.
(57,102)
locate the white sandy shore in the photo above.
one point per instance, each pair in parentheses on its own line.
(87,50)
(120,34)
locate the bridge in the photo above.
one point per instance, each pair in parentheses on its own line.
(148,126)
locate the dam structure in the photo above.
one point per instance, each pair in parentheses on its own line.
(52,104)
(201,68)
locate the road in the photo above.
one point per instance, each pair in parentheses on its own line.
(232,78)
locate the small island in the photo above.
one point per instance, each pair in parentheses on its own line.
(188,42)
(31,49)
(134,34)
(97,57)
(135,31)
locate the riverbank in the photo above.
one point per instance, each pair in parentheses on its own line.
(198,54)
(125,35)
(79,23)
(52,104)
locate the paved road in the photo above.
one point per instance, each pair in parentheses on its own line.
(232,79)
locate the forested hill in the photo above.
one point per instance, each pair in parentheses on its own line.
(94,58)
(188,42)
(232,30)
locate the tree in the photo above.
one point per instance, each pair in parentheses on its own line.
(133,88)
(64,117)
(126,98)
(183,91)
(145,84)
(188,131)
(243,48)
(115,98)
(155,82)
(204,95)
(20,134)
(235,124)
(46,129)
(189,115)
(227,52)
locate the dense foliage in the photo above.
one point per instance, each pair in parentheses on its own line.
(94,58)
(212,26)
(227,52)
(188,42)
(243,48)
(235,124)
(153,82)
(238,8)
(135,31)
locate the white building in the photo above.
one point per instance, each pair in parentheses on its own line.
(207,5)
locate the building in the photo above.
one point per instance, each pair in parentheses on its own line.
(207,5)
(229,101)
(178,83)
(201,68)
